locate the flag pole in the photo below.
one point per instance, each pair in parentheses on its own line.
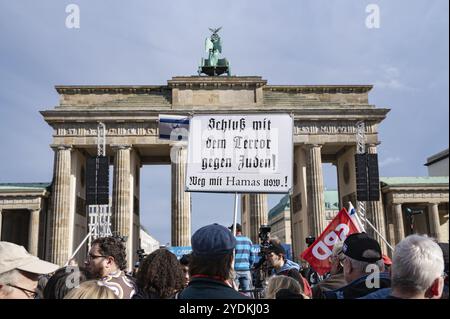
(364,218)
(381,236)
(79,247)
(236,198)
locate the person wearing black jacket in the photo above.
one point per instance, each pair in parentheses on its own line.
(210,266)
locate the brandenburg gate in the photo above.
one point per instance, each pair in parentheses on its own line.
(325,118)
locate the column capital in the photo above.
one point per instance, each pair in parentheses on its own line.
(314,145)
(117,147)
(61,147)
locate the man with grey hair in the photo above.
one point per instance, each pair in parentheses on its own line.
(417,269)
(363,268)
(19,272)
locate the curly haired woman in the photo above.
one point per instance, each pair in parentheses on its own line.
(159,277)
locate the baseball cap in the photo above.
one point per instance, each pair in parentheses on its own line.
(212,240)
(357,244)
(13,256)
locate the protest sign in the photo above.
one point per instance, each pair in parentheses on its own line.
(240,153)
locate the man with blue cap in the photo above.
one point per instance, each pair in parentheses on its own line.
(211,265)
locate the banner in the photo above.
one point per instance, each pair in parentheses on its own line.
(179,251)
(248,153)
(317,255)
(354,216)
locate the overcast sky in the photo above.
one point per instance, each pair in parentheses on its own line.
(286,42)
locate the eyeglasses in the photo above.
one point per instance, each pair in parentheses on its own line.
(30,294)
(91,257)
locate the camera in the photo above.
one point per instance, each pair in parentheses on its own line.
(411,212)
(264,231)
(310,240)
(261,270)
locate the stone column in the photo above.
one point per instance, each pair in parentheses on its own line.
(1,217)
(375,212)
(433,213)
(316,203)
(257,214)
(245,214)
(399,224)
(341,204)
(181,200)
(121,199)
(59,249)
(33,234)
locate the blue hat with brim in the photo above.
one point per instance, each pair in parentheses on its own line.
(213,240)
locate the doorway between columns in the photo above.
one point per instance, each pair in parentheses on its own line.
(15,226)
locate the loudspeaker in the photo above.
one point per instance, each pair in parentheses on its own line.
(374,178)
(97,180)
(102,180)
(362,187)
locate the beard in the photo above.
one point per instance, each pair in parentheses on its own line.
(93,272)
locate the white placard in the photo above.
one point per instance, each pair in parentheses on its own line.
(240,153)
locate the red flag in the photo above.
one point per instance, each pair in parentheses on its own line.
(317,254)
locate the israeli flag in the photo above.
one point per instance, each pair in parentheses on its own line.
(173,127)
(355,218)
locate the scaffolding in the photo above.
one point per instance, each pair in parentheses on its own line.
(99,215)
(361,149)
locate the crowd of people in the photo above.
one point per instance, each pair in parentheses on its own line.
(222,266)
